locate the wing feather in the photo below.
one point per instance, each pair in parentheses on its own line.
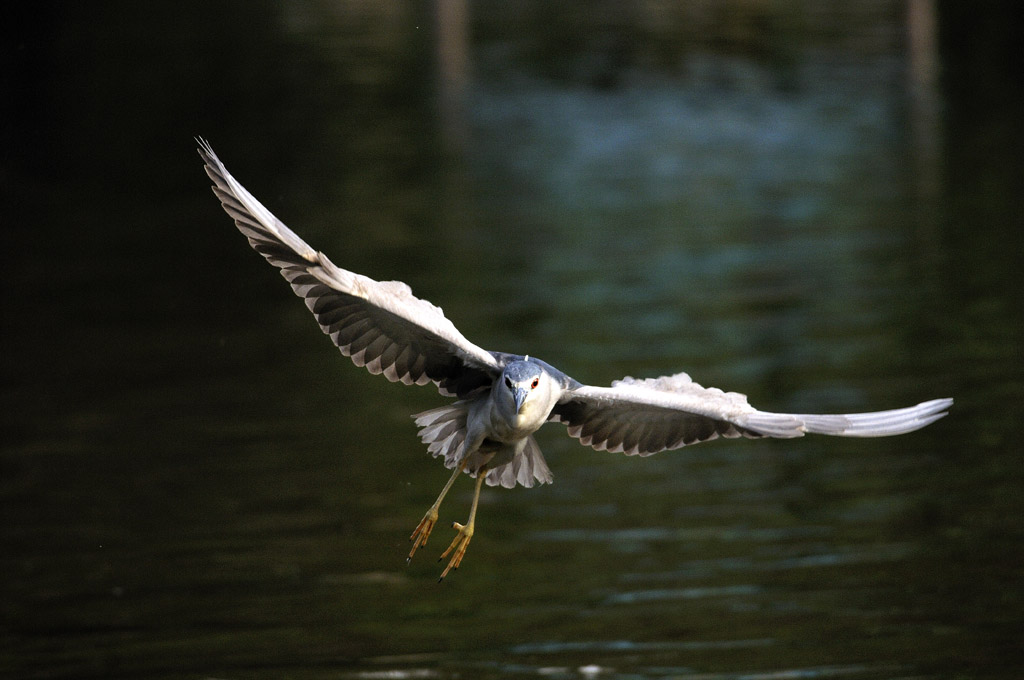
(642,417)
(378,324)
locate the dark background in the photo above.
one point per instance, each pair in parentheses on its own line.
(815,204)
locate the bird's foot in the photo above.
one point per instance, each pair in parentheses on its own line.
(422,531)
(457,549)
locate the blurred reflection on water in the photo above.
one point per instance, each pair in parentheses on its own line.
(190,482)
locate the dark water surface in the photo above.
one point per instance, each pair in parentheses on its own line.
(819,209)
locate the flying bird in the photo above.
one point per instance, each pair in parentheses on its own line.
(501,399)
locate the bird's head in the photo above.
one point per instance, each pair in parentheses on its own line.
(525,382)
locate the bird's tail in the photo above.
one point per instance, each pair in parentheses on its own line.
(527,468)
(874,424)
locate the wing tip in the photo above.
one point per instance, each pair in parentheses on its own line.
(883,423)
(205,150)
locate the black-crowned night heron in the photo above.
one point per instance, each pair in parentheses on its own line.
(502,399)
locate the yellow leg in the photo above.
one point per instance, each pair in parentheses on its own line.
(461,540)
(422,531)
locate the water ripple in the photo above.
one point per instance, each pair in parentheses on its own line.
(662,594)
(605,646)
(841,555)
(719,533)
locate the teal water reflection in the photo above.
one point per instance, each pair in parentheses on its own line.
(195,484)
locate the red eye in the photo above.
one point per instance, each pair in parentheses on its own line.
(536,381)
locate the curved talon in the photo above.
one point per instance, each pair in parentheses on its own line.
(459,545)
(422,532)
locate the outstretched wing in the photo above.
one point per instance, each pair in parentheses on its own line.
(641,417)
(378,324)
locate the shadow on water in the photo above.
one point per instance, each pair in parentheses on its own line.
(791,205)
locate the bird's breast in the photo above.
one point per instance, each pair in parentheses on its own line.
(511,428)
(529,419)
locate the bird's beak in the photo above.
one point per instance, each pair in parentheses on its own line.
(519,394)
